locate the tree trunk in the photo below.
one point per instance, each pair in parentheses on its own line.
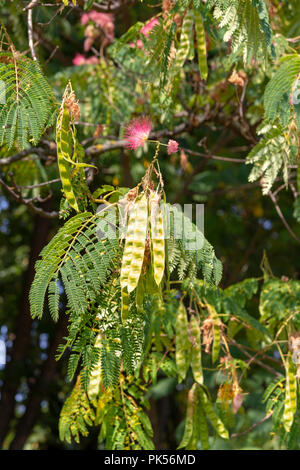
(39,391)
(24,322)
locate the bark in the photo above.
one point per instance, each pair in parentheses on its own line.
(125,162)
(40,390)
(22,340)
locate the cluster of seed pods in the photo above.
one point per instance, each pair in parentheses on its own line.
(145,220)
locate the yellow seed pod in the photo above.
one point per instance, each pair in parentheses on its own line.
(140,213)
(157,238)
(125,304)
(290,402)
(127,254)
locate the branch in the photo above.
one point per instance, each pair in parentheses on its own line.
(24,153)
(112,7)
(31,5)
(254,359)
(265,418)
(285,223)
(214,157)
(95,150)
(28,202)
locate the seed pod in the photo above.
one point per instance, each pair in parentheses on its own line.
(125,304)
(217,342)
(196,363)
(202,427)
(212,415)
(69,153)
(217,332)
(94,383)
(290,402)
(183,345)
(201,44)
(128,248)
(185,41)
(138,242)
(188,429)
(64,143)
(157,238)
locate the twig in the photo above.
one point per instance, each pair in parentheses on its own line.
(285,223)
(24,153)
(40,185)
(242,100)
(111,8)
(31,5)
(28,202)
(265,418)
(30,34)
(254,359)
(297,38)
(214,157)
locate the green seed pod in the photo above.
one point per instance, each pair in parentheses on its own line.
(157,238)
(94,383)
(138,242)
(196,363)
(216,343)
(185,41)
(125,304)
(188,429)
(217,333)
(202,427)
(290,402)
(212,415)
(201,44)
(127,254)
(183,345)
(64,144)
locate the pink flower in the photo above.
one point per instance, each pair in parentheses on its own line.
(145,31)
(79,59)
(88,42)
(149,26)
(104,21)
(137,132)
(172,146)
(92,60)
(84,18)
(139,44)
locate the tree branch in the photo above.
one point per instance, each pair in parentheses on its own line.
(30,34)
(28,202)
(285,223)
(265,418)
(24,153)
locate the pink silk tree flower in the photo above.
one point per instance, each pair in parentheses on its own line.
(139,44)
(79,59)
(149,26)
(172,146)
(137,132)
(92,60)
(84,18)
